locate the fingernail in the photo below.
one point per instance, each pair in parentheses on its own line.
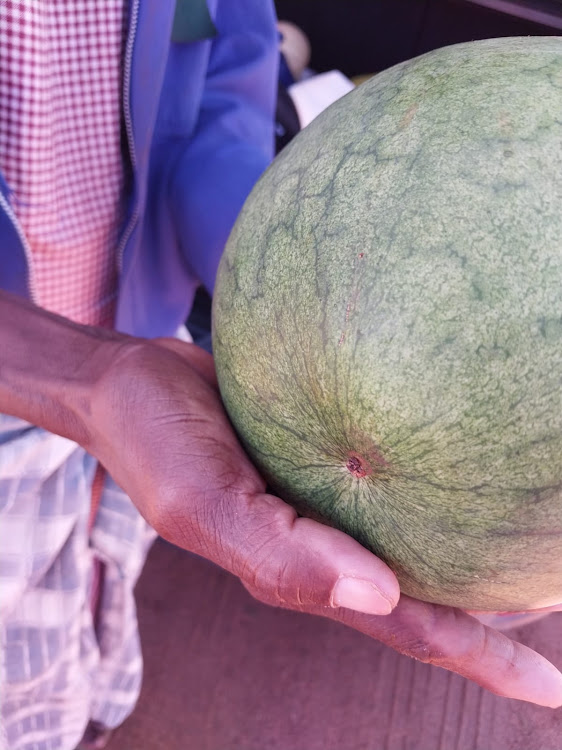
(544,688)
(361,596)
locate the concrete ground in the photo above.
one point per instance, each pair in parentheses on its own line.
(223,672)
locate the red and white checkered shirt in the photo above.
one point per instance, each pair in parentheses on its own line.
(61,77)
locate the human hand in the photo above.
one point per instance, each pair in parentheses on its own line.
(157,424)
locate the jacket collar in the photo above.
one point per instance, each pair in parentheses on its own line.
(192,22)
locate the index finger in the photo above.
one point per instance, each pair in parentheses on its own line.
(452,639)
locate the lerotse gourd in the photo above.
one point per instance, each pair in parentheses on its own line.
(388,322)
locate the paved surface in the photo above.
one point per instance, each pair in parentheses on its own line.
(223,672)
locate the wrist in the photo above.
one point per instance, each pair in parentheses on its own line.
(50,366)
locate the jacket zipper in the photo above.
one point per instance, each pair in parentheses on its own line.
(129,128)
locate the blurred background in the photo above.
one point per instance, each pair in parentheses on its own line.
(363,36)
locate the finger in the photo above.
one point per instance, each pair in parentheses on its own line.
(285,560)
(303,563)
(454,640)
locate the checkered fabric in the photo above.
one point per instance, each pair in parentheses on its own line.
(61,145)
(60,153)
(57,670)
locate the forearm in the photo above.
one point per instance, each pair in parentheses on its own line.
(49,366)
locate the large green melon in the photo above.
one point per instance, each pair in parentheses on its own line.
(388,322)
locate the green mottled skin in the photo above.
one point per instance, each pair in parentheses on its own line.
(391,299)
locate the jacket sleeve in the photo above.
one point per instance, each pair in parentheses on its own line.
(233,141)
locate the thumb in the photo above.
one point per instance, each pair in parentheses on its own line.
(288,561)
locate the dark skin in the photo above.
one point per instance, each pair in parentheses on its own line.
(151,413)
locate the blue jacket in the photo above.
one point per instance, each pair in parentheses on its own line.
(199,117)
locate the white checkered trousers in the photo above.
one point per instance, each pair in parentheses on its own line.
(57,668)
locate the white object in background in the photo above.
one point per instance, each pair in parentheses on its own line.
(313,95)
(183,334)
